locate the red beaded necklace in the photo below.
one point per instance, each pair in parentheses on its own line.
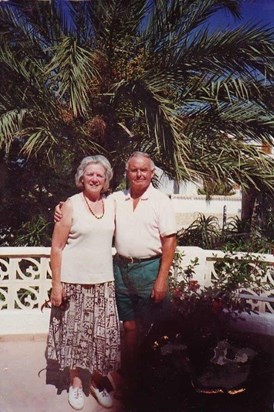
(91,211)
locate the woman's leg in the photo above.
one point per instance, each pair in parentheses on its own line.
(75,381)
(99,391)
(75,396)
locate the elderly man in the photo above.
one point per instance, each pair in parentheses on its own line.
(145,240)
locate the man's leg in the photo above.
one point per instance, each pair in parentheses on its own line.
(133,283)
(130,347)
(126,315)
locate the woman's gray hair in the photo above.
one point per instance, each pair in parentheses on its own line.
(140,154)
(97,159)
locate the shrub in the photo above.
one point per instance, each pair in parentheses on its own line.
(207,312)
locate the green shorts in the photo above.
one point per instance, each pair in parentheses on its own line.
(133,286)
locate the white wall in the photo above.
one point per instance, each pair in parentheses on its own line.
(188,204)
(188,208)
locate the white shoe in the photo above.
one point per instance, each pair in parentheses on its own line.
(76,398)
(103,397)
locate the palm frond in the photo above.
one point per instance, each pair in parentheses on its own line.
(10,126)
(71,71)
(37,138)
(171,23)
(245,119)
(8,57)
(226,159)
(244,50)
(81,16)
(67,16)
(115,20)
(156,74)
(159,114)
(13,15)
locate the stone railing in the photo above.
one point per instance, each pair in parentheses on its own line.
(25,280)
(25,277)
(205,272)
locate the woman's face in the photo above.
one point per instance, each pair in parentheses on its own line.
(94,179)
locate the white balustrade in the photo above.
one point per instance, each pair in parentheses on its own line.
(25,277)
(25,280)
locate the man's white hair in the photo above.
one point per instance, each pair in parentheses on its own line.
(140,154)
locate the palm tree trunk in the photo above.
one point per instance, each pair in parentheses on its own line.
(248,203)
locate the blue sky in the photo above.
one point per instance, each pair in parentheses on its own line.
(255,11)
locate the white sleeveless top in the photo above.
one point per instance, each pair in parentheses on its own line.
(87,255)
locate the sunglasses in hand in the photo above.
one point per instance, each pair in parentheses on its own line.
(64,305)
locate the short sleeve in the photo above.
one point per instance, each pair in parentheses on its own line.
(167,217)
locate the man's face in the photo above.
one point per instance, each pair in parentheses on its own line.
(139,173)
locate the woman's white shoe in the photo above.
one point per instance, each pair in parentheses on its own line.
(76,398)
(102,396)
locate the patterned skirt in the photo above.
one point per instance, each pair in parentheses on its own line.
(84,333)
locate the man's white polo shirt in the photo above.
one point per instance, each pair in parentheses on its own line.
(138,232)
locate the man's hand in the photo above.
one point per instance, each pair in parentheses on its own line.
(160,286)
(58,212)
(159,290)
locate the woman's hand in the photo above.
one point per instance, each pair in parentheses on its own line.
(56,294)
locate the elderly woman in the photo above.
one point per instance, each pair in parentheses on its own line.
(84,336)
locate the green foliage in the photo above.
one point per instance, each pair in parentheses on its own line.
(203,232)
(29,192)
(110,77)
(244,236)
(235,235)
(216,188)
(35,232)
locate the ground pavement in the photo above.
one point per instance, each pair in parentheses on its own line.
(22,390)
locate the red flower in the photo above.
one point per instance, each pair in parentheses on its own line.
(216,306)
(177,293)
(193,285)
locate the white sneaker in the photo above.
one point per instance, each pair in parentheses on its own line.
(76,398)
(103,397)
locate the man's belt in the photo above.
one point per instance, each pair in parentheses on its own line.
(126,259)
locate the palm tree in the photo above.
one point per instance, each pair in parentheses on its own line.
(118,75)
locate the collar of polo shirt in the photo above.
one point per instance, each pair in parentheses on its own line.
(144,196)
